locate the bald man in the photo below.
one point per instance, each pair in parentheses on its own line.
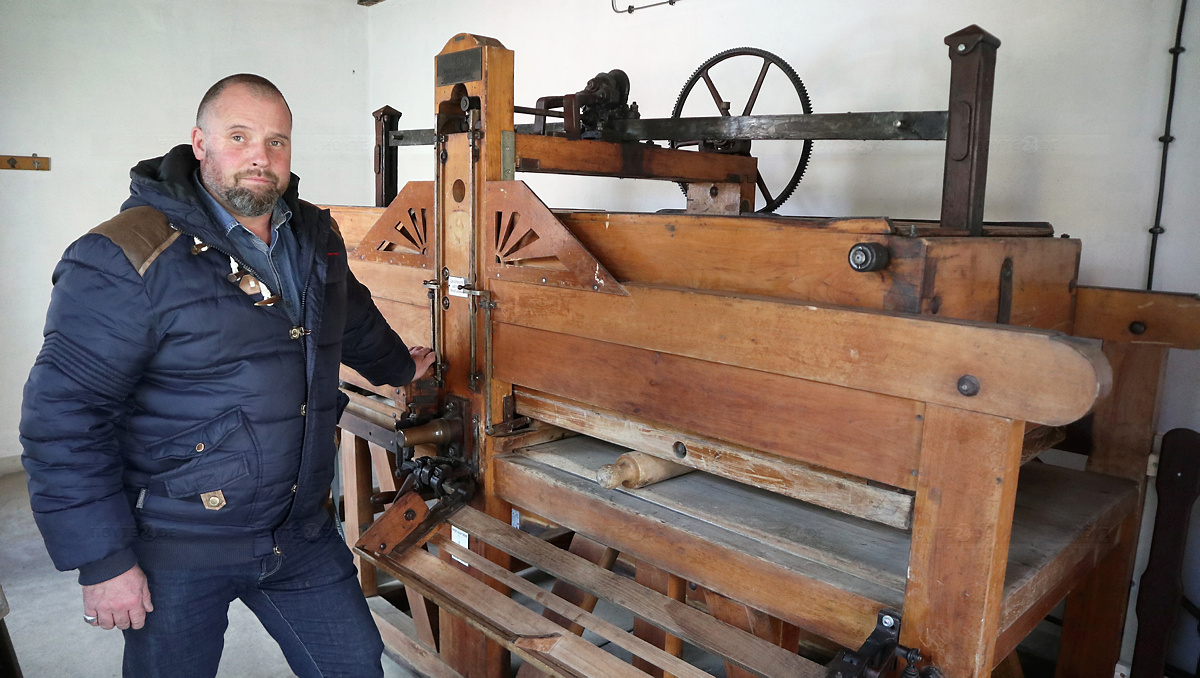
(178,424)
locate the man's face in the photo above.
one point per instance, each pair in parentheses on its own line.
(244,149)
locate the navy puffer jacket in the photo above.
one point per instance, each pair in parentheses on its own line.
(160,380)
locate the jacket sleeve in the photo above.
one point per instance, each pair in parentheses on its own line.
(99,335)
(369,345)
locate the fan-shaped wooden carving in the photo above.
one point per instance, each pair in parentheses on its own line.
(404,234)
(529,244)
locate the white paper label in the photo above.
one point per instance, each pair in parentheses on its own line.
(461,538)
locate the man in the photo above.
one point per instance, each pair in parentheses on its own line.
(178,424)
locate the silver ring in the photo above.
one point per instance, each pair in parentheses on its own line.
(90,619)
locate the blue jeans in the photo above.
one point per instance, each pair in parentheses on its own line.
(309,601)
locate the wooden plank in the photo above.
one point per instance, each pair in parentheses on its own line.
(349,376)
(574,614)
(960,539)
(793,259)
(353,221)
(857,432)
(694,626)
(593,552)
(1110,314)
(963,279)
(409,321)
(393,282)
(812,595)
(840,492)
(402,647)
(842,543)
(356,494)
(755,225)
(503,619)
(1024,374)
(1123,430)
(559,155)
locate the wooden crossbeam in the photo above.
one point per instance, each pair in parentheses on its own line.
(25,162)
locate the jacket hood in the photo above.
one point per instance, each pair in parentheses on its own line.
(165,183)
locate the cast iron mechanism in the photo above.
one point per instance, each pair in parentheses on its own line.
(589,112)
(878,654)
(867,257)
(742,146)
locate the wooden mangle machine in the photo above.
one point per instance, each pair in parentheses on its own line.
(861,402)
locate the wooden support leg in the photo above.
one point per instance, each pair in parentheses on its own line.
(961,527)
(356,493)
(1124,425)
(776,631)
(671,586)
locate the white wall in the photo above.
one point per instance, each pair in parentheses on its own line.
(99,84)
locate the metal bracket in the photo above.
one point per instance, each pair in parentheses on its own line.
(878,654)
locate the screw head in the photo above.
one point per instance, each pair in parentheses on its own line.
(1137,327)
(962,47)
(888,621)
(446,303)
(410,514)
(680,449)
(712,192)
(968,385)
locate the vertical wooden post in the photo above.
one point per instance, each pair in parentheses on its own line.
(1123,429)
(972,73)
(356,494)
(962,522)
(752,621)
(386,179)
(671,586)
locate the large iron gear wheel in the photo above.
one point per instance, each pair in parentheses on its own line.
(773,201)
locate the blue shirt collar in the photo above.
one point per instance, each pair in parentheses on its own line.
(280,216)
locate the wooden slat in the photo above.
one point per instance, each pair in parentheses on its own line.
(502,619)
(1024,374)
(961,529)
(393,282)
(1169,319)
(824,537)
(750,620)
(694,626)
(574,613)
(558,155)
(814,596)
(857,432)
(813,484)
(353,221)
(756,225)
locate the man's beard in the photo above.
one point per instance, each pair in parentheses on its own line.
(246,201)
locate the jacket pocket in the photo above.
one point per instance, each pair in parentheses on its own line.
(200,439)
(205,475)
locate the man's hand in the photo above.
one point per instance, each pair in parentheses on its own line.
(122,601)
(423,357)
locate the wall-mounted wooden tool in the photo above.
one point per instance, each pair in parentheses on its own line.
(25,162)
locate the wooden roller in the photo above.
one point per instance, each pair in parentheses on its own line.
(635,469)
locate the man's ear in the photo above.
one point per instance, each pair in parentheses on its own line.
(198,143)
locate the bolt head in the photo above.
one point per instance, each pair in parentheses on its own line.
(968,385)
(410,514)
(962,47)
(888,621)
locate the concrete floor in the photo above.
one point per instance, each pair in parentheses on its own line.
(46,623)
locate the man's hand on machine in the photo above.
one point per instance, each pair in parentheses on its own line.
(424,358)
(120,602)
